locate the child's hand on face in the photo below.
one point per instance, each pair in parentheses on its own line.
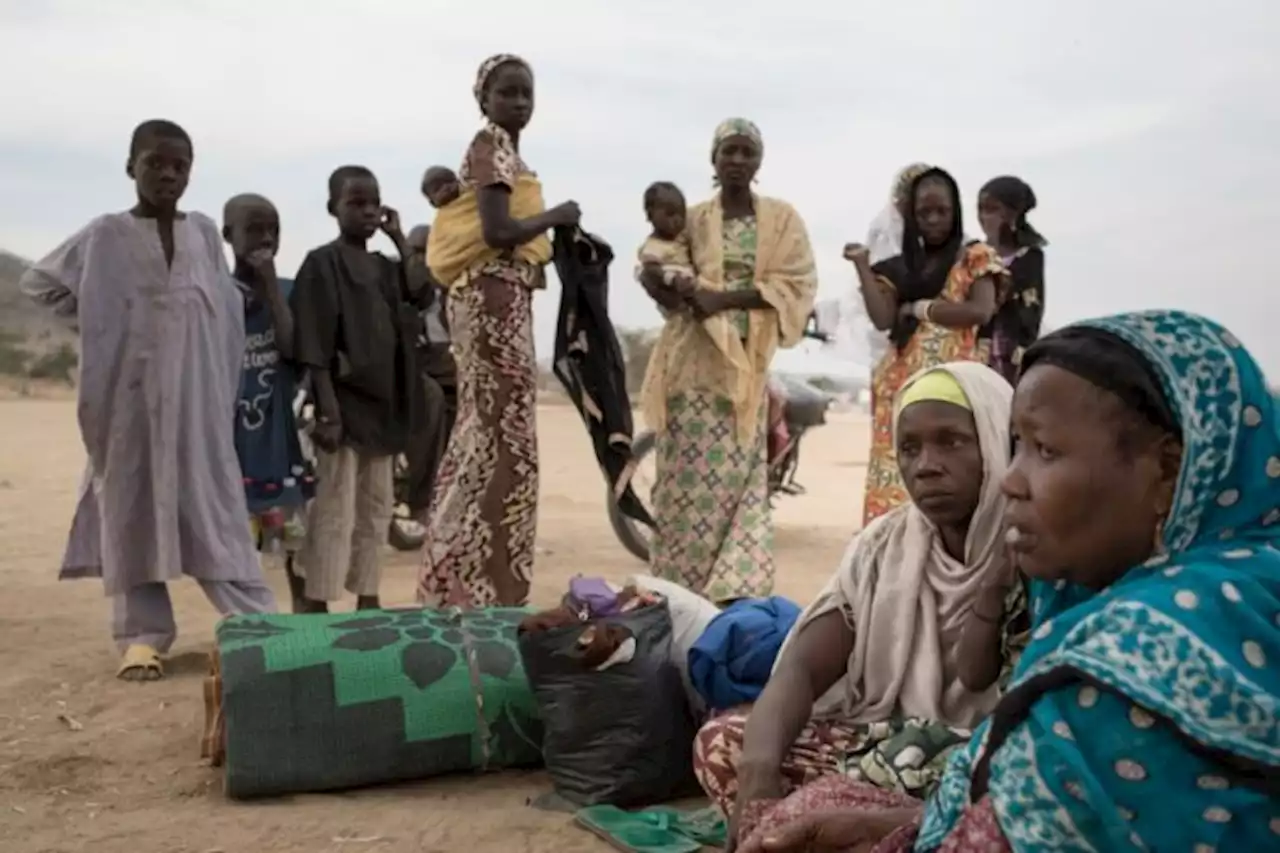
(391,223)
(263,264)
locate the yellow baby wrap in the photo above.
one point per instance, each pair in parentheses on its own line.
(456,245)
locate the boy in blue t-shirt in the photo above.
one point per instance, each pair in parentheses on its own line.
(278,479)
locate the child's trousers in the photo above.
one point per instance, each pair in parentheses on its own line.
(347,524)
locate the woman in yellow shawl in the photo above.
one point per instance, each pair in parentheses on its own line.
(489,247)
(705,388)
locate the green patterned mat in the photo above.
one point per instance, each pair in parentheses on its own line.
(328,701)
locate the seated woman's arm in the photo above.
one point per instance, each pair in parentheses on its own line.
(814,661)
(979,659)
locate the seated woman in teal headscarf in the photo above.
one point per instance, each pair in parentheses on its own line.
(1144,505)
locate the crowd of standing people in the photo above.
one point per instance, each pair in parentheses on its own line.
(1062,614)
(734,278)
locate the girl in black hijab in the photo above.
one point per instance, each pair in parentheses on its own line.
(1003,205)
(931,300)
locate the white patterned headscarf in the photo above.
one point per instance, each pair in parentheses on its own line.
(884,237)
(491,65)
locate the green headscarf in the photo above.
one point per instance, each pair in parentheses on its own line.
(735,127)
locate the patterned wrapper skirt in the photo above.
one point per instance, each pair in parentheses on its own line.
(895,762)
(714,532)
(978,830)
(483,518)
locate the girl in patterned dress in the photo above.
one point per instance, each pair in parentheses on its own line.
(932,299)
(704,391)
(483,517)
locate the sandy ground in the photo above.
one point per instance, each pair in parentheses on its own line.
(90,763)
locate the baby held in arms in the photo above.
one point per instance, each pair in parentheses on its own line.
(667,247)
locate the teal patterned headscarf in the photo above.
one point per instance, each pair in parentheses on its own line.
(1147,716)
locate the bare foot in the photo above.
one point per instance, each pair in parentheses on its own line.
(368,602)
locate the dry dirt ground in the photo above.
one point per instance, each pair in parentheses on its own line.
(91,763)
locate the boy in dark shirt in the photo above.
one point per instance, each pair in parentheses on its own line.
(355,335)
(278,480)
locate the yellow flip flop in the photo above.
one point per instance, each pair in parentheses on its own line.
(140,663)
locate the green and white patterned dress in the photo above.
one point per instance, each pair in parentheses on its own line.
(711,498)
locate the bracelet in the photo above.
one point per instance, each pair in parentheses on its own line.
(920,308)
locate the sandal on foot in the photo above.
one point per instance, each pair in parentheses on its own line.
(140,663)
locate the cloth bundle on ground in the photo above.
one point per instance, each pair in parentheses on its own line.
(456,243)
(731,662)
(617,730)
(690,616)
(589,362)
(318,702)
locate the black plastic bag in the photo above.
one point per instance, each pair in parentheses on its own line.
(622,736)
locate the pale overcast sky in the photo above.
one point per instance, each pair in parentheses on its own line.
(1149,130)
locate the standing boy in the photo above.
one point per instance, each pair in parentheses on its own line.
(355,335)
(161,340)
(278,480)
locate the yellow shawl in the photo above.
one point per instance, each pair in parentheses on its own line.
(456,245)
(710,356)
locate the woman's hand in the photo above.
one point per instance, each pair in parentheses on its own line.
(756,782)
(999,580)
(857,830)
(668,298)
(263,264)
(857,253)
(567,214)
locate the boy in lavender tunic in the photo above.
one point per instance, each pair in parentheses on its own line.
(161,328)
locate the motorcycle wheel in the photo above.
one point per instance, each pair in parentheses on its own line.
(633,535)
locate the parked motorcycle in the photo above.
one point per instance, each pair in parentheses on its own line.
(805,408)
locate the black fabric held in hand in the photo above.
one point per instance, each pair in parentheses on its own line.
(588,359)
